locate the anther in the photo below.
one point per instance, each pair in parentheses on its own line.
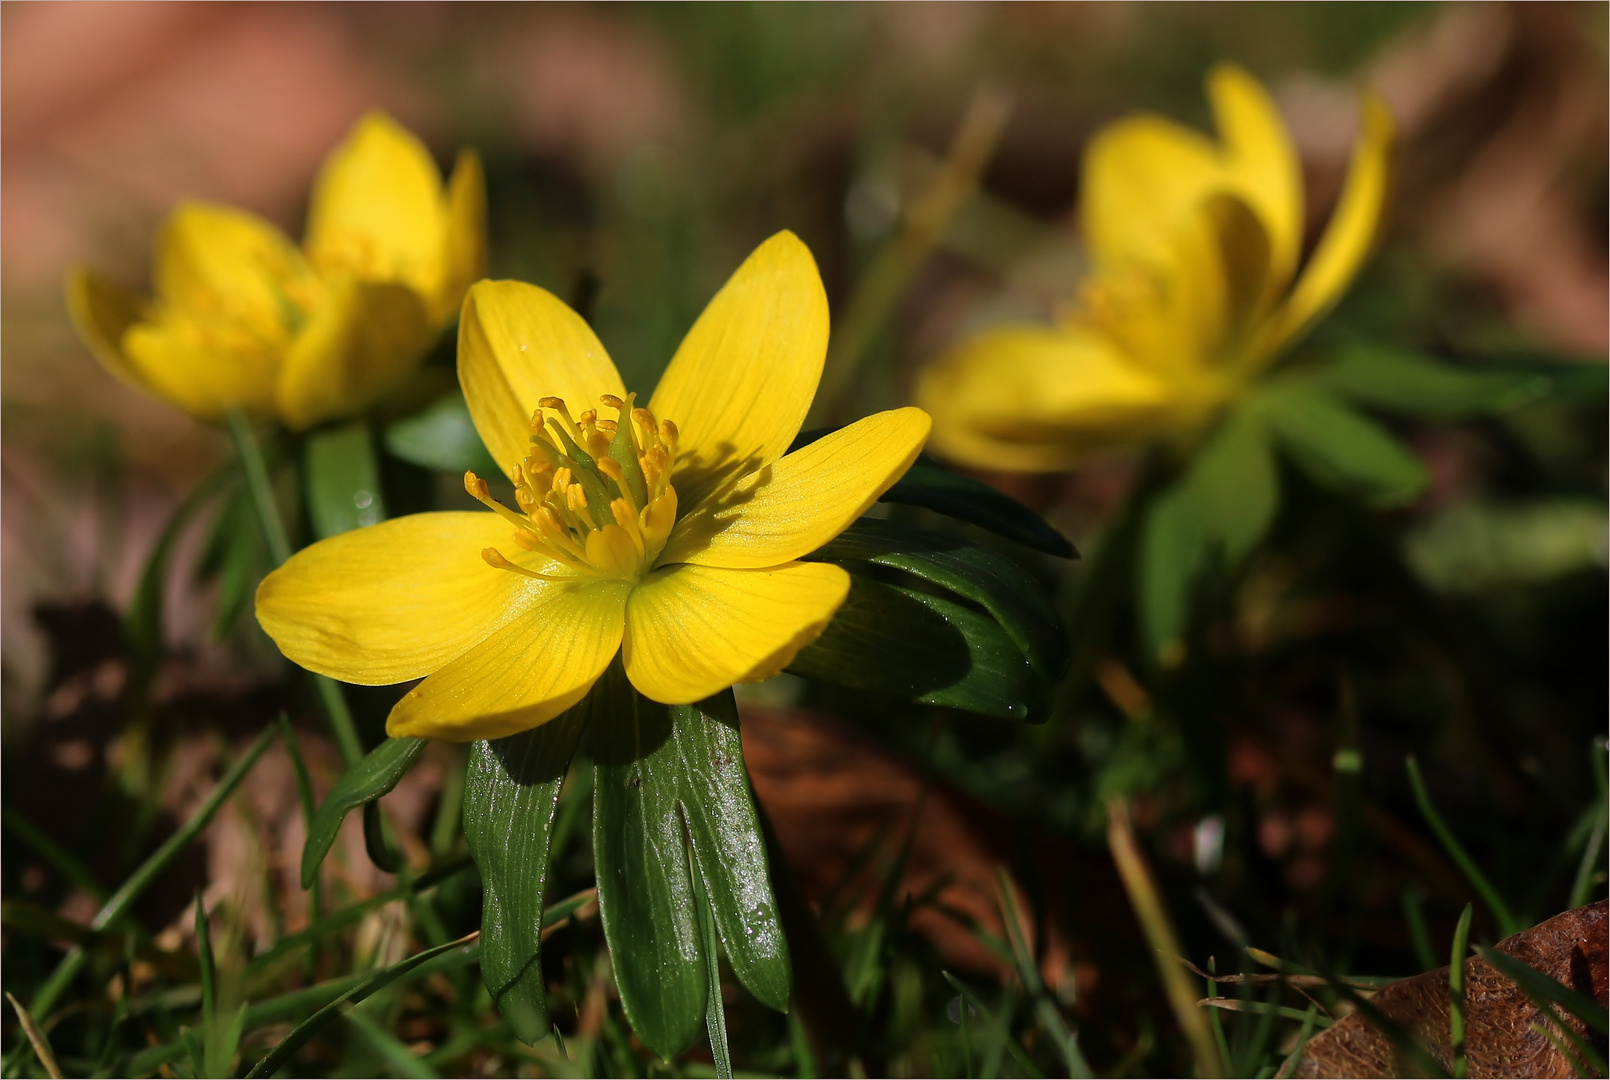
(610,400)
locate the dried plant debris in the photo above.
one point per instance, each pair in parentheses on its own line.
(1506,1033)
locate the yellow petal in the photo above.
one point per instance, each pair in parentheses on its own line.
(518,344)
(1264,164)
(397,600)
(742,381)
(524,674)
(102,312)
(1352,229)
(1043,399)
(377,210)
(694,630)
(466,235)
(804,499)
(205,370)
(1142,177)
(226,268)
(363,339)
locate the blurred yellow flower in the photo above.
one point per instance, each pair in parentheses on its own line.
(244,318)
(669,534)
(1195,287)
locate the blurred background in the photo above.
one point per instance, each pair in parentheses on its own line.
(635,154)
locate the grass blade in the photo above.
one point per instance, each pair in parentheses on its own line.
(59,858)
(1148,905)
(299,1036)
(36,1038)
(142,878)
(1542,988)
(1456,993)
(1507,923)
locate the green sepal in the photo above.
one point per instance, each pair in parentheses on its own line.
(511,791)
(1338,446)
(343,479)
(902,643)
(1208,521)
(441,436)
(932,486)
(666,778)
(991,580)
(368,780)
(1401,380)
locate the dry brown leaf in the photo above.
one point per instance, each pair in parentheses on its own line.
(1501,1039)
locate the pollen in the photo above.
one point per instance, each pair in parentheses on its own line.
(593,495)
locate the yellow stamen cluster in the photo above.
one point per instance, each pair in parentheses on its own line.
(593,495)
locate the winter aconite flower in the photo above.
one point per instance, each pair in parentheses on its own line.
(669,533)
(243,318)
(1196,285)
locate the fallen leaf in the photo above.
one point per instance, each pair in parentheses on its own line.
(1504,1030)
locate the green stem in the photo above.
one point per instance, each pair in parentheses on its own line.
(141,879)
(279,550)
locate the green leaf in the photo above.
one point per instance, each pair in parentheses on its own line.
(343,479)
(1339,447)
(1404,381)
(1475,546)
(992,581)
(441,437)
(1208,521)
(906,644)
(511,790)
(666,777)
(364,782)
(932,486)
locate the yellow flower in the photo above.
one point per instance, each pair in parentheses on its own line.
(244,318)
(669,534)
(1195,287)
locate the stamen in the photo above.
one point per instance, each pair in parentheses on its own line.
(483,495)
(494,558)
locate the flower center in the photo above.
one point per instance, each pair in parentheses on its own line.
(594,495)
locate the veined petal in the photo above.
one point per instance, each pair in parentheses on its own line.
(1267,174)
(524,674)
(200,368)
(1142,176)
(742,381)
(801,501)
(1042,398)
(396,600)
(466,235)
(377,210)
(362,339)
(518,344)
(102,312)
(694,630)
(227,268)
(1352,229)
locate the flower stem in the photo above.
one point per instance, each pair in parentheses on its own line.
(279,549)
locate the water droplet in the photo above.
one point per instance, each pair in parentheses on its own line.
(362,499)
